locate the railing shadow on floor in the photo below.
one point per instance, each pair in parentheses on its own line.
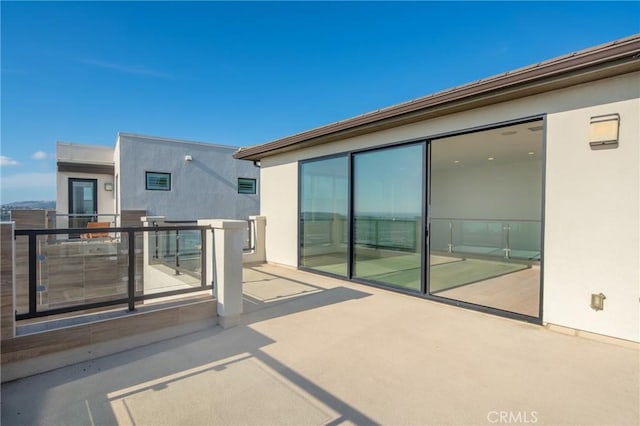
(285,295)
(92,391)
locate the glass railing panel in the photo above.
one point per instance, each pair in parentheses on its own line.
(493,238)
(22,273)
(174,261)
(478,237)
(524,239)
(248,243)
(440,235)
(471,259)
(71,272)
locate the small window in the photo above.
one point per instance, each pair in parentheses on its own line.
(246,186)
(158,181)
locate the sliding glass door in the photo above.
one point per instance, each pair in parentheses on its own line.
(486,211)
(388,191)
(455,218)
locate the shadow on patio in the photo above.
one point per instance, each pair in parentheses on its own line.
(317,350)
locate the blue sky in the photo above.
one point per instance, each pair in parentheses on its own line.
(244,73)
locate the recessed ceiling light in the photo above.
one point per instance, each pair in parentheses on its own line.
(530,153)
(490,158)
(508,133)
(456,161)
(535,128)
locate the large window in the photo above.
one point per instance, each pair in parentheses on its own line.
(323,215)
(388,193)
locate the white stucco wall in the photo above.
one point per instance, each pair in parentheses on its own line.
(83,154)
(592,213)
(205,187)
(592,199)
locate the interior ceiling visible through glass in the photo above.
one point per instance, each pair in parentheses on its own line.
(520,142)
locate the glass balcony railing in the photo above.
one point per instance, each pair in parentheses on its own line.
(510,239)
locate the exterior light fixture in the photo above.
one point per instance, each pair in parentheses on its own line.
(108,186)
(188,157)
(603,131)
(597,301)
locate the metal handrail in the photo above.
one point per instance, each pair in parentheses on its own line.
(486,220)
(131,297)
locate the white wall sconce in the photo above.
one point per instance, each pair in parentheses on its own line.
(108,186)
(597,301)
(188,157)
(603,131)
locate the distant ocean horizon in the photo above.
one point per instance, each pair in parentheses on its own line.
(369,215)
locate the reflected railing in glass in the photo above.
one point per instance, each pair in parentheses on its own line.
(509,239)
(320,231)
(395,233)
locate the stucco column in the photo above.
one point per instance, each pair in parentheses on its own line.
(226,258)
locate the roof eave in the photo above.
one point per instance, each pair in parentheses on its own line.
(605,61)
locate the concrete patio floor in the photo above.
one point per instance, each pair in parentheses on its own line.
(315,350)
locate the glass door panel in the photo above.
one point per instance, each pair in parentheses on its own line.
(387,216)
(485,218)
(323,217)
(83,202)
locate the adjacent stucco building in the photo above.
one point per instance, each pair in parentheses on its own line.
(178,179)
(517,195)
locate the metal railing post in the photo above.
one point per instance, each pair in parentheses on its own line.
(131,235)
(507,248)
(450,237)
(155,225)
(177,252)
(33,284)
(203,258)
